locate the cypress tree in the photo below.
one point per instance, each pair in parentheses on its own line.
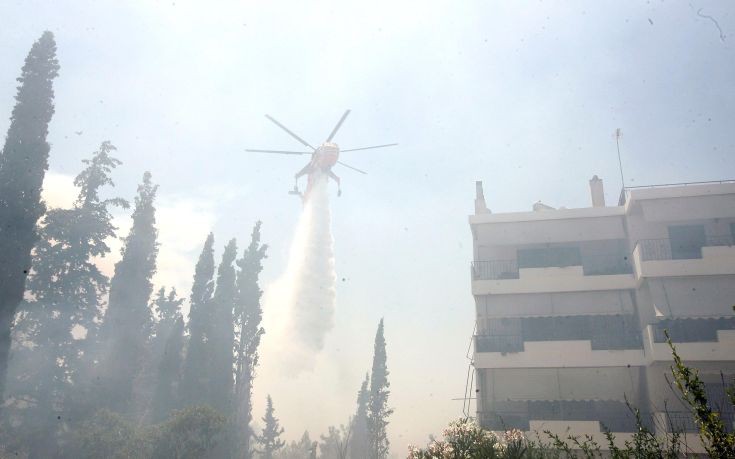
(128,322)
(222,339)
(270,438)
(378,411)
(168,310)
(23,165)
(359,440)
(248,317)
(166,395)
(195,372)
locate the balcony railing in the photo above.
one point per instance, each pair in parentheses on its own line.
(601,265)
(613,332)
(691,330)
(666,249)
(592,265)
(683,421)
(498,343)
(494,269)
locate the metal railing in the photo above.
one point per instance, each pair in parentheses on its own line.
(680,421)
(683,421)
(663,249)
(625,191)
(494,269)
(499,343)
(686,330)
(667,185)
(605,264)
(654,249)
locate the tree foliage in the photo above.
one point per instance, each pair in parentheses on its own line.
(192,433)
(23,165)
(67,290)
(166,396)
(270,437)
(195,371)
(360,437)
(378,410)
(221,341)
(128,321)
(305,448)
(248,331)
(335,444)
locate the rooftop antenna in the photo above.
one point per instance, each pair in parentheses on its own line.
(618,135)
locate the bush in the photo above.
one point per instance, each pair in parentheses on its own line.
(190,433)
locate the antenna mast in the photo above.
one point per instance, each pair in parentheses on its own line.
(618,135)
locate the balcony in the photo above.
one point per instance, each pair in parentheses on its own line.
(587,416)
(495,270)
(510,352)
(693,330)
(592,265)
(586,273)
(562,341)
(695,339)
(604,332)
(715,255)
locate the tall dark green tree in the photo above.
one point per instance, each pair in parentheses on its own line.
(378,410)
(128,322)
(195,375)
(270,438)
(359,438)
(23,165)
(67,289)
(166,395)
(222,339)
(248,331)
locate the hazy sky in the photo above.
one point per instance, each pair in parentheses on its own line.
(522,95)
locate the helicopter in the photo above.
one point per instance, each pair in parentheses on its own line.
(323,158)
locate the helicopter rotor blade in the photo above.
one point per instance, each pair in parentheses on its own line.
(368,148)
(302,141)
(280,152)
(339,124)
(353,168)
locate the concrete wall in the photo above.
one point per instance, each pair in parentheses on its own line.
(550,231)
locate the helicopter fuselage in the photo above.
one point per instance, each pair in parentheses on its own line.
(322,161)
(325,156)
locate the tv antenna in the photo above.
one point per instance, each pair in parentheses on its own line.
(618,134)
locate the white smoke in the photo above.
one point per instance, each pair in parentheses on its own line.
(299,306)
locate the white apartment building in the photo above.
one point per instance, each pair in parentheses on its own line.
(572,304)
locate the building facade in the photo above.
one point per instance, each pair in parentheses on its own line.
(572,304)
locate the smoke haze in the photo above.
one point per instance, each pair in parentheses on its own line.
(299,306)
